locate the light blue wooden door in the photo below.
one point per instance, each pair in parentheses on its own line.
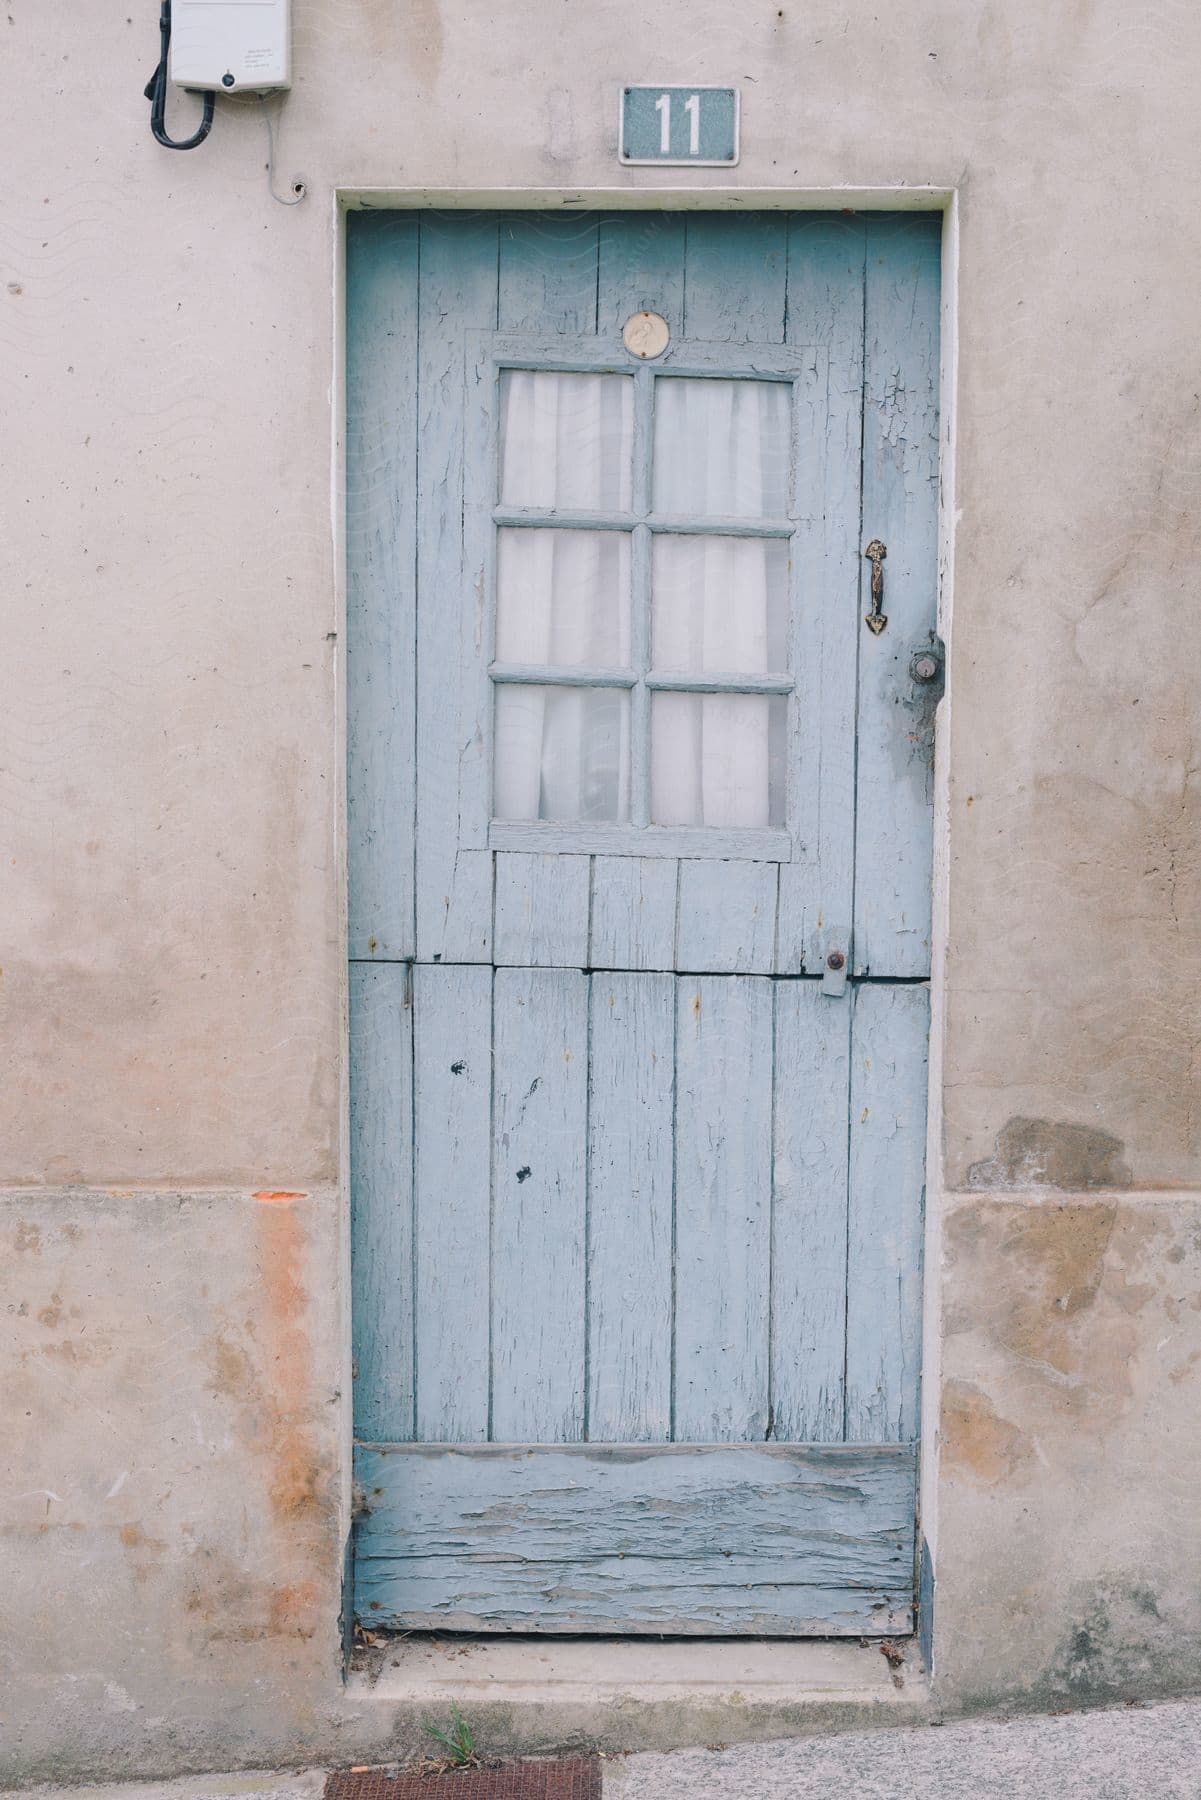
(637,1172)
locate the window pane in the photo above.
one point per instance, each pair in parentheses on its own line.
(566,440)
(723,447)
(720,604)
(562,753)
(563,597)
(718,759)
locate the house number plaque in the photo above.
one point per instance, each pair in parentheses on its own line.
(679,126)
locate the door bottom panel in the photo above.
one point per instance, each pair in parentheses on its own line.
(713,1540)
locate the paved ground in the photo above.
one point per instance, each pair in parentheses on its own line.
(1151,1753)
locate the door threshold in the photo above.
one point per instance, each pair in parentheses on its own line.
(619,1694)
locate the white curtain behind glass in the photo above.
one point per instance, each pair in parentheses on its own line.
(563,597)
(720,604)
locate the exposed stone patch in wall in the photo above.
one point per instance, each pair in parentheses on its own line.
(1046,1153)
(976,1440)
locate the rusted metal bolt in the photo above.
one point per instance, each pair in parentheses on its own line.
(925,668)
(835,960)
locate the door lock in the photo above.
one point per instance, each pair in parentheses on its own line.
(926,666)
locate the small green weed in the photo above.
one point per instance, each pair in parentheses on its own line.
(457,1741)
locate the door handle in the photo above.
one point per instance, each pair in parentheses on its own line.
(876,619)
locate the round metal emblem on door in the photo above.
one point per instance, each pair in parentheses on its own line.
(646,335)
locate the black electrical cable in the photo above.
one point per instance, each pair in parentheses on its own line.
(156,93)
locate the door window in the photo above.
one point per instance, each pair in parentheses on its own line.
(643,600)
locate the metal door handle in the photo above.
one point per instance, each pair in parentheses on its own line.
(876,619)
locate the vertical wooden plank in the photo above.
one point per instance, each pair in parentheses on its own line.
(630,1152)
(381,604)
(541,910)
(539,1113)
(547,272)
(735,273)
(894,813)
(633,912)
(809,1212)
(723,1208)
(825,308)
(452,1096)
(381,1200)
(889,1035)
(454,869)
(727,917)
(641,270)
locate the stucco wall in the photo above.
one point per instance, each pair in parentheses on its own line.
(176,1412)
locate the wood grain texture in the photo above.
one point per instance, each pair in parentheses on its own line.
(454,867)
(825,309)
(547,273)
(630,1158)
(452,1102)
(723,1208)
(894,817)
(633,912)
(809,1213)
(736,277)
(890,1032)
(641,269)
(381,1187)
(541,910)
(750,1540)
(381,601)
(539,1109)
(727,917)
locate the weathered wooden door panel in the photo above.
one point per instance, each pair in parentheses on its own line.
(452,1160)
(407,358)
(545,1135)
(769,1539)
(890,1031)
(583,1126)
(381,1160)
(637,1202)
(381,612)
(723,1209)
(810,1162)
(540,1154)
(456,295)
(895,723)
(631,1207)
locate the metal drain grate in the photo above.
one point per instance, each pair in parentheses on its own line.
(578,1778)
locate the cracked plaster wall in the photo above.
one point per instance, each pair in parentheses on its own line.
(170,773)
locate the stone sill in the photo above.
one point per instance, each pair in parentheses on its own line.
(620,1694)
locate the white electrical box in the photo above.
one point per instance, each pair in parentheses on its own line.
(231,44)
